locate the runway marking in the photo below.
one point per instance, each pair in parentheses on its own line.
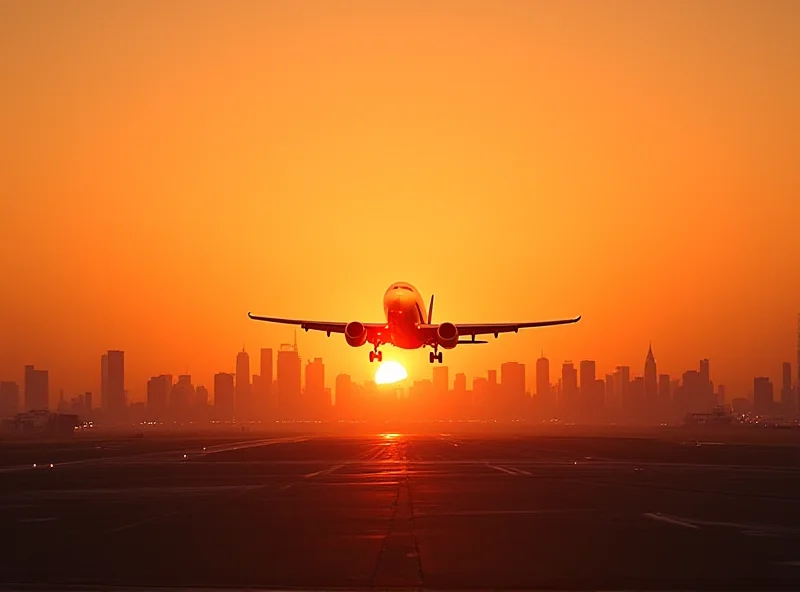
(508,470)
(497,512)
(669,520)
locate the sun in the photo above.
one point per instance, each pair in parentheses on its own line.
(389,372)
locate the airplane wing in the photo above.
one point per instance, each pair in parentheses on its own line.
(496,328)
(467,329)
(326,326)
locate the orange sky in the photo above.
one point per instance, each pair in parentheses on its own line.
(169,165)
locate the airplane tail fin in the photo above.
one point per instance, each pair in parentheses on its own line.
(430,311)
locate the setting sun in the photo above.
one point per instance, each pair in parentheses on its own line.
(389,372)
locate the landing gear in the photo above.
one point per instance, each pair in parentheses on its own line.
(375,355)
(435,357)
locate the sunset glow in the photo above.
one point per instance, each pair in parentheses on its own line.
(167,169)
(390,372)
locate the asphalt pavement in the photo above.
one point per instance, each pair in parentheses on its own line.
(402,511)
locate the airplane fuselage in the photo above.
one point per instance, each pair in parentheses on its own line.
(405,312)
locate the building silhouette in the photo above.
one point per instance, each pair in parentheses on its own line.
(243,400)
(112,383)
(37,389)
(182,397)
(650,380)
(158,395)
(763,402)
(315,404)
(9,399)
(289,373)
(788,400)
(266,397)
(569,400)
(224,396)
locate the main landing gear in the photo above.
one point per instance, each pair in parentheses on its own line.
(376,355)
(434,356)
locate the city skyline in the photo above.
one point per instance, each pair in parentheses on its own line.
(115,393)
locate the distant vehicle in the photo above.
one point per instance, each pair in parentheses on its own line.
(407,327)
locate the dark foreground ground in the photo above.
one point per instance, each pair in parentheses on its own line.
(556,510)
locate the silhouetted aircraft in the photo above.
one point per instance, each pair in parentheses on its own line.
(407,327)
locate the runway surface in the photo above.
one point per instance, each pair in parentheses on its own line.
(404,511)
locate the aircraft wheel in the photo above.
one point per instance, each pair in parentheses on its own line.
(439,357)
(379,355)
(431,357)
(372,356)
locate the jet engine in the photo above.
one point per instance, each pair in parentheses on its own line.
(447,335)
(355,333)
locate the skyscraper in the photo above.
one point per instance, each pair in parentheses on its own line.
(37,389)
(512,386)
(243,402)
(441,380)
(650,380)
(543,377)
(315,389)
(266,374)
(112,376)
(224,396)
(588,397)
(762,396)
(569,402)
(104,381)
(9,399)
(788,401)
(182,397)
(158,393)
(289,373)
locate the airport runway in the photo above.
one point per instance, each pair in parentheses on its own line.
(402,511)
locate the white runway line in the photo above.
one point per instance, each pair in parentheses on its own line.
(508,470)
(669,520)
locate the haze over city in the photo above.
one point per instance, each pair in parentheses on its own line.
(170,166)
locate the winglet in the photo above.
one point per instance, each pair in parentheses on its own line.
(430,311)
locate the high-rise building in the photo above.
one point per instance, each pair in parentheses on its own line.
(289,372)
(9,399)
(622,383)
(763,401)
(224,396)
(588,395)
(441,380)
(315,388)
(460,383)
(512,386)
(104,381)
(201,397)
(112,376)
(543,377)
(650,380)
(37,389)
(266,378)
(243,401)
(158,394)
(664,394)
(182,397)
(788,400)
(569,402)
(343,396)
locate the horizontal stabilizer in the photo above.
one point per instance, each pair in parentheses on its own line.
(464,342)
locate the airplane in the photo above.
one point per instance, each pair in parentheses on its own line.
(407,327)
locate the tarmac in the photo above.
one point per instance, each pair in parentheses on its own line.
(433,511)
